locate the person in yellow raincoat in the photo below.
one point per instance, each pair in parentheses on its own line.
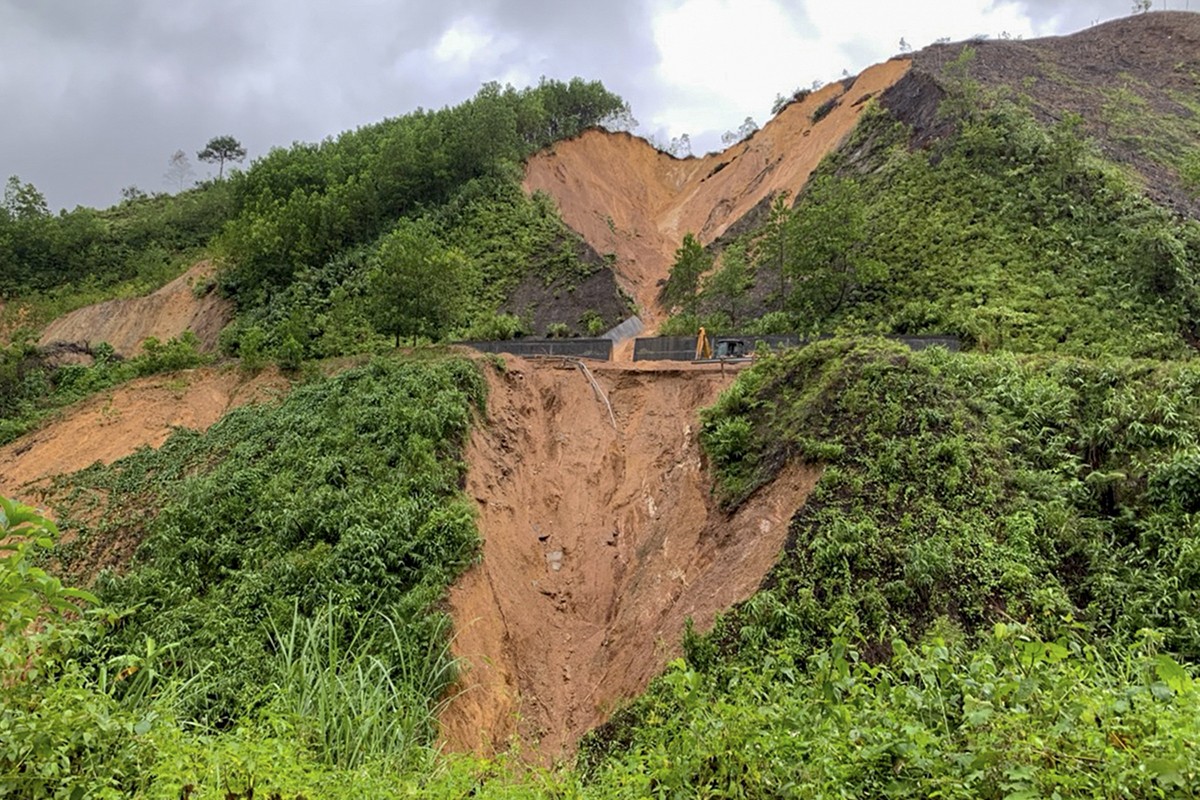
(703,345)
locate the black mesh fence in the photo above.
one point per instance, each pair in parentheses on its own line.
(579,348)
(664,348)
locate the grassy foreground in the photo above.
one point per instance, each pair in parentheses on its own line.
(992,593)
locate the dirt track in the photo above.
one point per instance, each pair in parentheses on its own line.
(600,540)
(625,197)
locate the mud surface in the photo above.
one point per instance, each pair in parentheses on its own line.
(114,423)
(600,539)
(165,314)
(626,198)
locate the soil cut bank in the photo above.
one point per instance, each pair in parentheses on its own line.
(164,314)
(627,198)
(601,538)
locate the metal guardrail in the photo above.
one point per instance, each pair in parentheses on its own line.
(677,348)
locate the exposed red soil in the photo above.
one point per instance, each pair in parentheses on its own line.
(601,538)
(625,197)
(116,422)
(165,314)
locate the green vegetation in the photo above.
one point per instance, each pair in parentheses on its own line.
(90,252)
(31,388)
(991,590)
(301,207)
(311,238)
(345,493)
(418,286)
(283,598)
(681,291)
(221,149)
(1009,235)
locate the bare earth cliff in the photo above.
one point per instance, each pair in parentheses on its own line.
(627,198)
(601,538)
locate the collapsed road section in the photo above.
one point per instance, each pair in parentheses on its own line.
(601,538)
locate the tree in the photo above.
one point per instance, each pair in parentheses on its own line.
(827,236)
(619,121)
(221,149)
(683,282)
(23,200)
(773,248)
(744,131)
(681,146)
(418,287)
(726,288)
(179,169)
(132,194)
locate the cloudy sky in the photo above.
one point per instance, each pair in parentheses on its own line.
(96,95)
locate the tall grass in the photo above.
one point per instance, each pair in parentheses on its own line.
(359,707)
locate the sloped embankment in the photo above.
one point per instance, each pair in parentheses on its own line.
(165,314)
(627,198)
(600,540)
(116,422)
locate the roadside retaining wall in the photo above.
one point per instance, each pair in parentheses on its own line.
(626,330)
(577,348)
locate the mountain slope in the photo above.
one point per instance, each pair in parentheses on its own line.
(601,538)
(1135,82)
(164,314)
(1021,195)
(627,198)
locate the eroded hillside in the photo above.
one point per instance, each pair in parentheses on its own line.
(629,199)
(114,423)
(601,538)
(1133,82)
(164,314)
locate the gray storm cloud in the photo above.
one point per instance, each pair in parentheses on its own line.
(98,94)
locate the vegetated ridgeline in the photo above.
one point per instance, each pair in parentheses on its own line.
(601,538)
(164,314)
(627,198)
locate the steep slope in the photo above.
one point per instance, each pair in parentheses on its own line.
(601,539)
(1134,82)
(165,314)
(627,198)
(114,423)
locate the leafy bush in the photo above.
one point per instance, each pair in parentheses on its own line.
(346,493)
(822,111)
(181,352)
(495,327)
(1017,716)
